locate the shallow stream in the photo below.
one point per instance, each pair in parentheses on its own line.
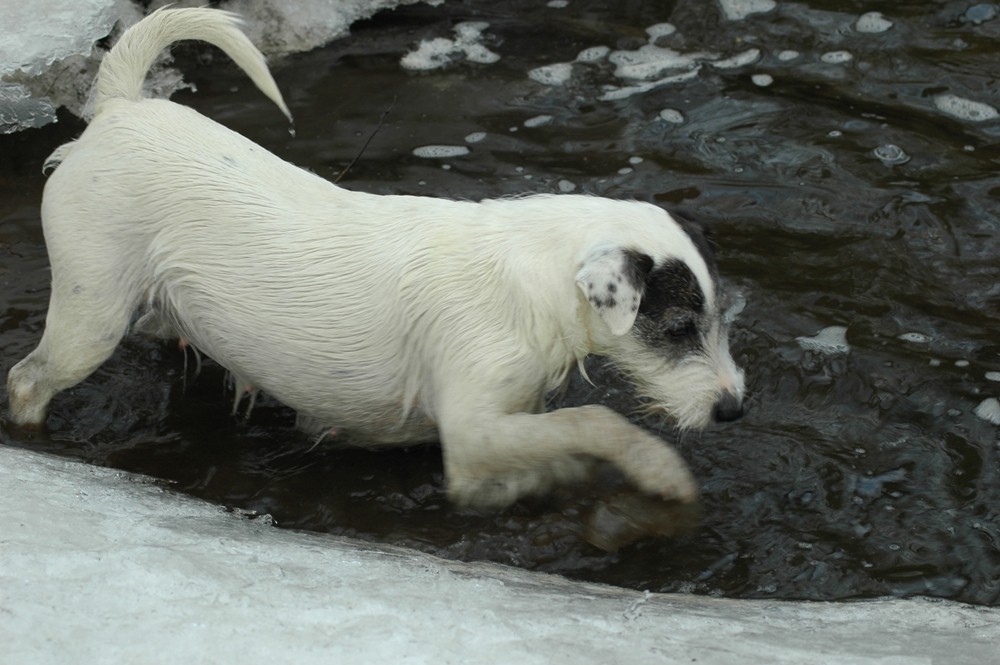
(849,174)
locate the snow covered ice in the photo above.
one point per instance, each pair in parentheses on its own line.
(48,56)
(100,566)
(39,41)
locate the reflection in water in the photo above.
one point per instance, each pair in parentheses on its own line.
(854,189)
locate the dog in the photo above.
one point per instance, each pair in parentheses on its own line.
(390,319)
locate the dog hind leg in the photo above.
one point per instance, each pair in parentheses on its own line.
(86,320)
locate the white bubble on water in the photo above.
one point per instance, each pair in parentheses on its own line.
(831,340)
(660,30)
(763,80)
(470,30)
(648,62)
(835,133)
(538,121)
(430,54)
(836,57)
(989,410)
(672,116)
(992,376)
(891,154)
(566,186)
(961,363)
(787,55)
(612,93)
(440,151)
(872,22)
(965,109)
(480,54)
(558,4)
(438,52)
(555,74)
(736,10)
(635,160)
(981,13)
(625,171)
(915,337)
(475,137)
(593,54)
(739,60)
(736,307)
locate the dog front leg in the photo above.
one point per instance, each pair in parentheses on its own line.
(494,459)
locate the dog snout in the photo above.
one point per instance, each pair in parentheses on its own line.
(728,408)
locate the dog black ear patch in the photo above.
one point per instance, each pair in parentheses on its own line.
(671,285)
(613,279)
(700,238)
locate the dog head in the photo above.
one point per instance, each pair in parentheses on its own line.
(656,312)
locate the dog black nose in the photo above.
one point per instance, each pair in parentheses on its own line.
(728,408)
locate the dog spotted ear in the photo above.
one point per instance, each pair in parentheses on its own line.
(613,280)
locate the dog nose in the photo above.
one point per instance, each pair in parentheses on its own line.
(728,408)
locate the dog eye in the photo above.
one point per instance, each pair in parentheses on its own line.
(681,331)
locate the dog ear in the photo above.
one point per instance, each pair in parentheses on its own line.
(613,280)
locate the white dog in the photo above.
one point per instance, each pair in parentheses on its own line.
(393,319)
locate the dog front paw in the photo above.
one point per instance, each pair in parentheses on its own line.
(658,470)
(622,519)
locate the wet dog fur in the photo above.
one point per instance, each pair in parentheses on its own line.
(394,319)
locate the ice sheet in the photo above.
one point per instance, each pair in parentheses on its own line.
(830,340)
(48,56)
(99,566)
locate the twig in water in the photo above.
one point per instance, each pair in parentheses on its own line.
(381,121)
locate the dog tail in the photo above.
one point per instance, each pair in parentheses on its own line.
(124,68)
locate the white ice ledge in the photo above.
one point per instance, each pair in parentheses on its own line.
(97,566)
(49,57)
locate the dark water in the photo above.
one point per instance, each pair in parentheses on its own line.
(853,474)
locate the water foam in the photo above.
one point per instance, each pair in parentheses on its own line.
(739,60)
(555,74)
(672,116)
(989,410)
(737,10)
(538,121)
(891,154)
(440,151)
(438,52)
(965,109)
(872,22)
(836,57)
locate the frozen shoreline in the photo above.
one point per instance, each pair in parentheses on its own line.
(49,56)
(101,566)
